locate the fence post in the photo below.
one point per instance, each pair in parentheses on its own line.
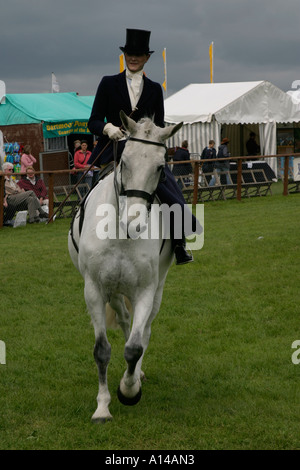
(239,180)
(1,199)
(286,176)
(50,195)
(196,179)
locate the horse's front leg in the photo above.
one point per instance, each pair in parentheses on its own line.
(130,391)
(102,350)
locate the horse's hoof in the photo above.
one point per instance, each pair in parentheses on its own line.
(101,420)
(129,401)
(101,417)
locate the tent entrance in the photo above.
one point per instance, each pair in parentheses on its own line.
(238,134)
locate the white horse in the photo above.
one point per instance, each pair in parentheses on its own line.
(119,266)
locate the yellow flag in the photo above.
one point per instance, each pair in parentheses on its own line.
(122,67)
(164,54)
(211,60)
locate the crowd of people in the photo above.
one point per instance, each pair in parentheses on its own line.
(30,193)
(213,168)
(27,191)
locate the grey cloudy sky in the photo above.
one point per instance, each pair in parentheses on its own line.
(79,41)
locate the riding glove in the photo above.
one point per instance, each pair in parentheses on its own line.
(113,132)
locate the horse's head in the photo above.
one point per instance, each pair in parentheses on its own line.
(143,160)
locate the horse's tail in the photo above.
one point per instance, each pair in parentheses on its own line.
(111,316)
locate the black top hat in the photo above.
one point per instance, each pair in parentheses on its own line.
(137,42)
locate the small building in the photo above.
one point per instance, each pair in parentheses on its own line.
(47,122)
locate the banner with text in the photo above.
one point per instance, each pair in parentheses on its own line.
(61,129)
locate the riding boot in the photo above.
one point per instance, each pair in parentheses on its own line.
(179,243)
(182,256)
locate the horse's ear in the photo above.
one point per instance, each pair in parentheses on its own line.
(128,123)
(169,131)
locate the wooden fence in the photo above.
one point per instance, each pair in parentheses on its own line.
(52,178)
(198,163)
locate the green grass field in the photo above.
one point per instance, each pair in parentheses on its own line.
(219,369)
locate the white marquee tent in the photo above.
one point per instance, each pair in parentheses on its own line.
(206,108)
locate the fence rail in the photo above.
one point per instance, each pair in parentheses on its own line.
(66,181)
(197,164)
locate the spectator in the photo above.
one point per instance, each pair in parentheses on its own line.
(182,169)
(35,184)
(73,174)
(7,222)
(81,159)
(252,146)
(18,199)
(207,154)
(221,166)
(27,159)
(77,145)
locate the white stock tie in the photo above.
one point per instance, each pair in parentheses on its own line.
(134,86)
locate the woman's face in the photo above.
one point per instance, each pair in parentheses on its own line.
(135,63)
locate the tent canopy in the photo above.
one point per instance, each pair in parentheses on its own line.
(231,103)
(60,113)
(88,100)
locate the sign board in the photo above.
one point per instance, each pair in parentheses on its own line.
(61,129)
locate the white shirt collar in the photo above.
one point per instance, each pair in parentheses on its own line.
(130,75)
(135,86)
(32,180)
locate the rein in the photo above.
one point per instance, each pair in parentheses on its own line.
(136,192)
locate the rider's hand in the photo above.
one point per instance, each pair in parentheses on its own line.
(113,132)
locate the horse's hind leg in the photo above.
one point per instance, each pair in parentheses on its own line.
(102,349)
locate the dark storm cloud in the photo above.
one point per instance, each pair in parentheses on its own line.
(79,41)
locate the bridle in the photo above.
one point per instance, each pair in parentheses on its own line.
(136,192)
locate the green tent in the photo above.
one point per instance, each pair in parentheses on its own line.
(60,113)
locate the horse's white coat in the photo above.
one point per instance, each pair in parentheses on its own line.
(116,268)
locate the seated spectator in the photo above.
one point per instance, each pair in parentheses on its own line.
(7,222)
(18,199)
(35,184)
